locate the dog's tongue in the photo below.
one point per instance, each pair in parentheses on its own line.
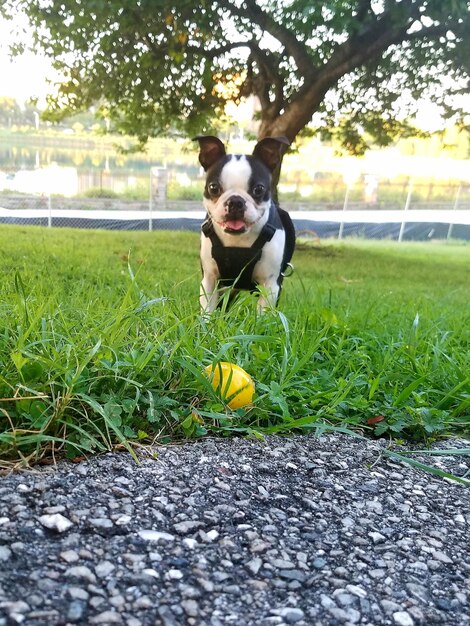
(235,224)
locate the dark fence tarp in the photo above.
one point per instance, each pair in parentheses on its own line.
(413,231)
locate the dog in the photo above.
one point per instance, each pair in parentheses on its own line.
(247,241)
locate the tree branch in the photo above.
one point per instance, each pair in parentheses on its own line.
(295,48)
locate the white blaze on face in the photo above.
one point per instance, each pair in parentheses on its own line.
(236,174)
(234,179)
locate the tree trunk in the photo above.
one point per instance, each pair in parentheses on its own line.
(292,120)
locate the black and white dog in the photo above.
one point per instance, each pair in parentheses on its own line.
(247,241)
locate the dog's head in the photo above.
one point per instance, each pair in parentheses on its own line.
(237,194)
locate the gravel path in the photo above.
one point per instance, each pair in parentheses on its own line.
(284,531)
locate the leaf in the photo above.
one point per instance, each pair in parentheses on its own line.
(405,394)
(277,397)
(430,469)
(376,419)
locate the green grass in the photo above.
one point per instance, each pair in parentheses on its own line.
(102,344)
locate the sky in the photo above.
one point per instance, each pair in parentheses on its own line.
(22,77)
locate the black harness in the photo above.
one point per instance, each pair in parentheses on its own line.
(236,265)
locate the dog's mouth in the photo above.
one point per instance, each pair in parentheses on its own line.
(235,227)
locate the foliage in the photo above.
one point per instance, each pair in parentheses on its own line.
(11,114)
(155,68)
(111,351)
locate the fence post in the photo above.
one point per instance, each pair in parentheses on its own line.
(158,189)
(455,207)
(150,199)
(345,206)
(407,206)
(49,209)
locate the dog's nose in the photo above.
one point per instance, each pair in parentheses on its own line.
(235,204)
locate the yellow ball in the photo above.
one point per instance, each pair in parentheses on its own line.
(232,384)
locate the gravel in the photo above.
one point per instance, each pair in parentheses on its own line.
(308,531)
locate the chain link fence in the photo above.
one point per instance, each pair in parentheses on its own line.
(412,213)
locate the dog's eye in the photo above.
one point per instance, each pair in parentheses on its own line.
(214,189)
(258,190)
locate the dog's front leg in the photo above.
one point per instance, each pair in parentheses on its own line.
(268,270)
(209,294)
(269,294)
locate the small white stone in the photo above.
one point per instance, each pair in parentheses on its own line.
(81,571)
(155,535)
(16,609)
(375,506)
(4,520)
(174,574)
(104,568)
(254,565)
(356,591)
(5,553)
(402,618)
(151,572)
(69,556)
(56,522)
(212,535)
(189,543)
(124,519)
(442,557)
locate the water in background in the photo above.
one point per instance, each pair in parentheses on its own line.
(69,170)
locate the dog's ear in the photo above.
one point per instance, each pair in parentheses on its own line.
(270,150)
(211,149)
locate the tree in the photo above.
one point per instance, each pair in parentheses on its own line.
(153,66)
(10,111)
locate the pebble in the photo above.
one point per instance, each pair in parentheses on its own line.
(390,607)
(155,535)
(77,593)
(290,615)
(5,553)
(212,535)
(190,607)
(254,565)
(174,574)
(81,571)
(69,556)
(402,618)
(101,522)
(106,617)
(76,611)
(104,568)
(356,591)
(442,557)
(183,528)
(56,522)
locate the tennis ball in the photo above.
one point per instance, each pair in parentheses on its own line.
(235,387)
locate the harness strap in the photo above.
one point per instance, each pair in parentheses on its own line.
(236,264)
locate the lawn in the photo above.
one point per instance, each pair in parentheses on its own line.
(102,344)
